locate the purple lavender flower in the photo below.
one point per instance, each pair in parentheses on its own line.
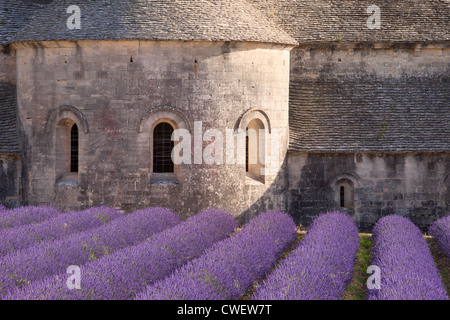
(26,215)
(321,267)
(408,271)
(53,257)
(229,268)
(122,274)
(62,225)
(440,231)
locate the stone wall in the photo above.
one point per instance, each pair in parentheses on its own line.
(347,60)
(360,114)
(415,185)
(10,177)
(117,90)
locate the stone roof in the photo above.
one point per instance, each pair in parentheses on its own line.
(14,14)
(9,140)
(200,20)
(370,115)
(326,115)
(306,20)
(310,21)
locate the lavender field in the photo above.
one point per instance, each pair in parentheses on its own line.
(152,254)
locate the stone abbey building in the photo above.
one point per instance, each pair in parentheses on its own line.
(354,93)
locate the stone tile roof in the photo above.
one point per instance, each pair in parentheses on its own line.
(200,20)
(305,20)
(370,115)
(9,140)
(346,20)
(14,14)
(326,115)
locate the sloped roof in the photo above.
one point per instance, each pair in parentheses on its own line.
(14,14)
(370,115)
(305,20)
(199,20)
(326,115)
(409,21)
(9,140)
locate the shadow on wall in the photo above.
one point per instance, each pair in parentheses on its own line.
(410,185)
(272,197)
(9,181)
(323,183)
(310,196)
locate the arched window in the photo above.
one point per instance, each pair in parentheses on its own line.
(74,149)
(258,148)
(345,195)
(155,129)
(162,148)
(67,151)
(254,163)
(253,143)
(68,129)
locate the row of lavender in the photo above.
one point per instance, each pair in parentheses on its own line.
(46,258)
(195,259)
(52,225)
(408,271)
(229,269)
(407,268)
(120,275)
(319,268)
(11,218)
(440,230)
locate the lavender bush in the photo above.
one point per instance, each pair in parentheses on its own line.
(321,267)
(58,227)
(440,230)
(120,275)
(11,218)
(53,257)
(229,268)
(408,271)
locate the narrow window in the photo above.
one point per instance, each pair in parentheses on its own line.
(246,152)
(345,195)
(162,148)
(74,149)
(342,196)
(254,154)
